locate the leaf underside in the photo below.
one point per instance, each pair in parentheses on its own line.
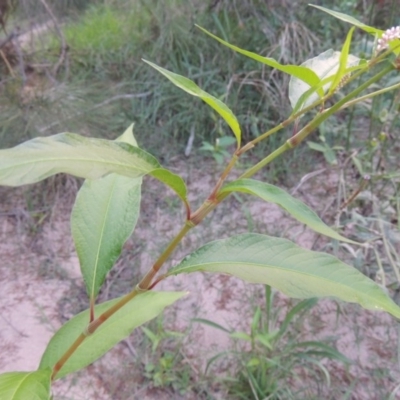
(295,271)
(72,154)
(294,207)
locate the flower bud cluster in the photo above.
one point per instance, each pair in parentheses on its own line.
(388,36)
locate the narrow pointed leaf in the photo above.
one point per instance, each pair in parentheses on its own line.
(350,20)
(301,72)
(128,137)
(297,272)
(139,310)
(324,65)
(294,207)
(32,385)
(103,218)
(73,154)
(344,55)
(190,87)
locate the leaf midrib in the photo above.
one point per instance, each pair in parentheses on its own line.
(263,266)
(101,236)
(129,166)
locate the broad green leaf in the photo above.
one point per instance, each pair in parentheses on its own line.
(294,207)
(344,55)
(32,385)
(73,154)
(350,20)
(103,218)
(190,87)
(297,272)
(301,72)
(139,310)
(324,65)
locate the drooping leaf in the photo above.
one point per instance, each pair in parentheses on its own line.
(103,218)
(190,87)
(139,310)
(324,65)
(73,154)
(344,55)
(297,272)
(294,207)
(301,72)
(175,182)
(350,20)
(32,385)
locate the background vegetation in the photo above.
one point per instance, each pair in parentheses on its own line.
(76,66)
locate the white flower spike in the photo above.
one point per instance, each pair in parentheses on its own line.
(388,36)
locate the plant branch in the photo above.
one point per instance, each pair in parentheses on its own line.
(212,201)
(371,95)
(65,357)
(146,281)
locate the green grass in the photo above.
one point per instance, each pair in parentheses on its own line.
(106,44)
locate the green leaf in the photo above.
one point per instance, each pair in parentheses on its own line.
(190,87)
(73,154)
(316,146)
(294,207)
(139,310)
(210,323)
(302,99)
(32,385)
(297,310)
(350,20)
(103,218)
(325,65)
(300,72)
(241,336)
(297,272)
(173,181)
(344,55)
(128,137)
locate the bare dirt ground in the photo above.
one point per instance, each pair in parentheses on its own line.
(41,289)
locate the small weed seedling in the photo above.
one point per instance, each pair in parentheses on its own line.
(270,354)
(107,208)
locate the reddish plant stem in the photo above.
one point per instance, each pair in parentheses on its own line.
(59,364)
(91,306)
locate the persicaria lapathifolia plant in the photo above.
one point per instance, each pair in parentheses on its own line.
(107,208)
